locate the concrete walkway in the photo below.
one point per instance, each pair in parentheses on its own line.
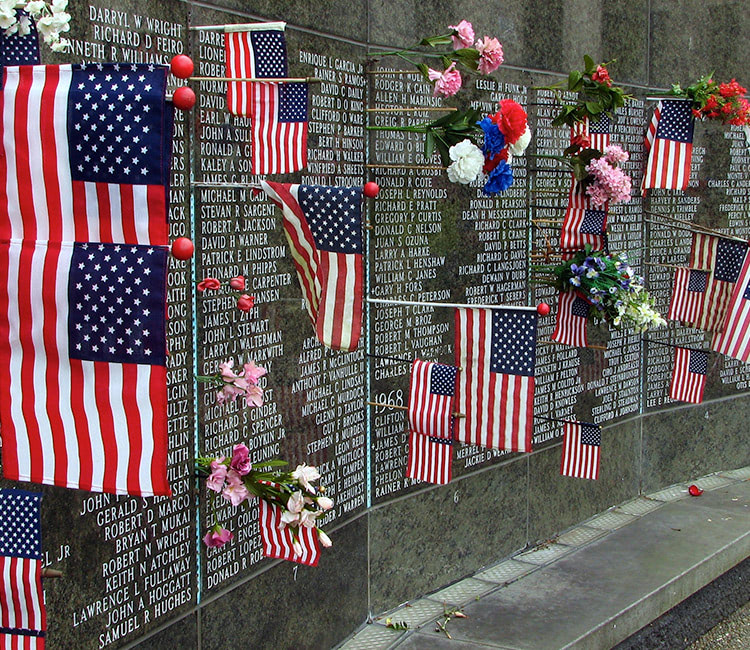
(594,585)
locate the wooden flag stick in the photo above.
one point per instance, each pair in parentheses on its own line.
(270,80)
(553,221)
(406,408)
(51,573)
(385,166)
(394,72)
(675,266)
(689,225)
(590,347)
(411,108)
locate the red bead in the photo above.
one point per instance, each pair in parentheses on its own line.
(371,189)
(181,66)
(542,309)
(182,248)
(183,98)
(695,491)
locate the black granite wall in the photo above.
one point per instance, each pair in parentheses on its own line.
(135,572)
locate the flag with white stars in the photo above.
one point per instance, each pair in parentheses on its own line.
(570,324)
(688,375)
(496,349)
(597,132)
(277,110)
(688,294)
(431,390)
(583,223)
(323,227)
(22,611)
(580,452)
(92,163)
(669,143)
(733,337)
(430,458)
(17,49)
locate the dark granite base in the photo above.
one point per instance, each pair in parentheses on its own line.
(181,634)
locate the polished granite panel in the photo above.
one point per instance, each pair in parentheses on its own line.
(558,502)
(183,633)
(624,37)
(442,534)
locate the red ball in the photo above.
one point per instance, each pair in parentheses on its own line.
(542,309)
(695,491)
(181,66)
(183,98)
(182,248)
(371,189)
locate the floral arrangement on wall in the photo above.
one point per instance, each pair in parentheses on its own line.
(237,286)
(723,102)
(50,17)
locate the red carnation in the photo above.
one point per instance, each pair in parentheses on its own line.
(245,302)
(511,120)
(208,283)
(490,162)
(711,103)
(581,141)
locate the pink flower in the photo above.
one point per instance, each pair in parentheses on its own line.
(229,393)
(208,283)
(217,537)
(296,502)
(235,490)
(447,83)
(253,373)
(324,539)
(490,54)
(240,462)
(307,518)
(237,283)
(215,481)
(304,474)
(226,370)
(610,183)
(325,503)
(245,303)
(297,547)
(615,154)
(254,396)
(601,75)
(464,35)
(289,519)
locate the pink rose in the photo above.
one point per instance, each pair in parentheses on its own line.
(245,303)
(254,396)
(208,283)
(490,54)
(217,537)
(304,474)
(464,35)
(238,283)
(253,373)
(240,462)
(235,490)
(447,83)
(215,481)
(229,393)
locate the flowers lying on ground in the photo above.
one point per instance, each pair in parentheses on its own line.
(237,284)
(716,101)
(597,94)
(51,20)
(485,55)
(607,282)
(244,384)
(237,480)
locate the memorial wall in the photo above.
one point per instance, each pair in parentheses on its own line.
(135,571)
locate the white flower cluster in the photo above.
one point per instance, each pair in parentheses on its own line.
(637,310)
(51,20)
(467,164)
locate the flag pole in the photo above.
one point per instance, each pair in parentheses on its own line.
(251,186)
(386,166)
(263,79)
(672,345)
(406,408)
(695,227)
(588,347)
(385,301)
(542,417)
(675,266)
(415,72)
(397,359)
(51,573)
(410,108)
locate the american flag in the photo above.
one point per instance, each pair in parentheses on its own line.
(688,294)
(430,458)
(24,640)
(572,314)
(497,350)
(431,390)
(583,224)
(20,50)
(323,228)
(688,375)
(580,453)
(733,339)
(597,132)
(86,153)
(278,111)
(669,143)
(22,610)
(278,541)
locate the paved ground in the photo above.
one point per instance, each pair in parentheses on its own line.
(733,633)
(595,585)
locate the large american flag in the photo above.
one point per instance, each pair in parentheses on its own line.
(323,228)
(22,612)
(570,324)
(431,390)
(278,111)
(733,339)
(688,293)
(83,198)
(496,349)
(580,453)
(669,143)
(688,375)
(597,132)
(278,540)
(582,224)
(430,458)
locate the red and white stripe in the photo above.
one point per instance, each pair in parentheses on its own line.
(498,408)
(429,414)
(21,596)
(572,239)
(686,386)
(578,460)
(713,312)
(278,541)
(685,305)
(9,641)
(733,338)
(429,461)
(598,141)
(668,165)
(332,283)
(569,328)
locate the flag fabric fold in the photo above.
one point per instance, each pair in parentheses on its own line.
(496,349)
(688,294)
(597,132)
(278,540)
(570,323)
(580,453)
(733,338)
(688,375)
(323,230)
(669,144)
(431,390)
(430,458)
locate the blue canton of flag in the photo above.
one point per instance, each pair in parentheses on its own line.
(602,125)
(676,121)
(269,48)
(117,298)
(697,281)
(593,222)
(698,362)
(334,215)
(20,50)
(443,379)
(513,342)
(292,102)
(20,533)
(729,257)
(580,308)
(591,434)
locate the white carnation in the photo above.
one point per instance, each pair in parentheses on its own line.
(520,145)
(7,21)
(35,7)
(467,164)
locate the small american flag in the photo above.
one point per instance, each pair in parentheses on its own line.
(431,390)
(278,111)
(734,337)
(580,454)
(278,540)
(497,350)
(688,375)
(20,50)
(688,294)
(22,610)
(570,325)
(669,143)
(323,229)
(430,458)
(582,224)
(22,640)
(597,132)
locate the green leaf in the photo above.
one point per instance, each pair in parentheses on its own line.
(271,463)
(574,78)
(429,145)
(589,63)
(432,41)
(593,107)
(424,70)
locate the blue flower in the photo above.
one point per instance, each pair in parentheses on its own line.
(494,140)
(499,179)
(575,281)
(577,270)
(601,263)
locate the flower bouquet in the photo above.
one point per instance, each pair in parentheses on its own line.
(50,17)
(244,384)
(607,282)
(716,101)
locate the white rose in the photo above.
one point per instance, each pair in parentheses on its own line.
(468,161)
(520,145)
